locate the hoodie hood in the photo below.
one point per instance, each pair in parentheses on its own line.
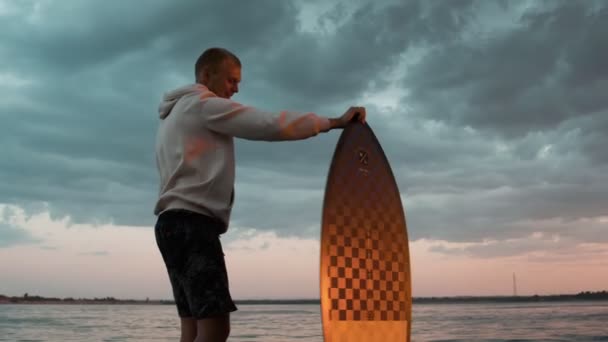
(170,99)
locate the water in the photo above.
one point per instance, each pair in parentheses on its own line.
(562,321)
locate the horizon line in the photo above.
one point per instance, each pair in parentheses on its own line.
(309,299)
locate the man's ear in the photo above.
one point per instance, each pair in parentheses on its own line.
(205,74)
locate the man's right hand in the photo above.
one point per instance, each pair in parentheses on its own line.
(348,116)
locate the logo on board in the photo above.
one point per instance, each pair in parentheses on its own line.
(363,158)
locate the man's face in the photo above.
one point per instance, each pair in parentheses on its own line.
(225,81)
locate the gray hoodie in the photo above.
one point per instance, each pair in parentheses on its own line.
(195,147)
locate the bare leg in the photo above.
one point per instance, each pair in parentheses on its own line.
(215,329)
(188,330)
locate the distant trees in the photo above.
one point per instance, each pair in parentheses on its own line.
(105,299)
(593,295)
(35,299)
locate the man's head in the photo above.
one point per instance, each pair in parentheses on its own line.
(220,71)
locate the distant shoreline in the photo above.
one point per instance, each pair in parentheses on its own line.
(582,296)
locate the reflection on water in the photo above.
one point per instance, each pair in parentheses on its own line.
(566,321)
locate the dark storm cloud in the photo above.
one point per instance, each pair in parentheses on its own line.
(524,123)
(84,120)
(550,67)
(72,35)
(82,123)
(489,190)
(360,49)
(501,125)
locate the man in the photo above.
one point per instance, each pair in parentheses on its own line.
(195,160)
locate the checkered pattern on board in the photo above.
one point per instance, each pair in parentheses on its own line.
(365,226)
(389,332)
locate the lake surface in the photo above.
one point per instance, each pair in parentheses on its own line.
(556,321)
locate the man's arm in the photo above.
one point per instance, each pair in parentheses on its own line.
(232,118)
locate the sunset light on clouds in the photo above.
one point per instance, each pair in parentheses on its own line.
(492,115)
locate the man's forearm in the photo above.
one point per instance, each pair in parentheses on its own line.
(333,124)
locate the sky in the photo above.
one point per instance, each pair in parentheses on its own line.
(491,115)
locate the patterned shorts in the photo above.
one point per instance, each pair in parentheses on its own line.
(191,249)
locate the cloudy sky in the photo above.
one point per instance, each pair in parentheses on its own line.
(491,114)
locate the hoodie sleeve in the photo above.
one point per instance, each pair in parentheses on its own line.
(232,118)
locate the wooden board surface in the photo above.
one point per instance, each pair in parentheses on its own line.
(365,266)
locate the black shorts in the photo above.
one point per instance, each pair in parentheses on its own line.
(191,249)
